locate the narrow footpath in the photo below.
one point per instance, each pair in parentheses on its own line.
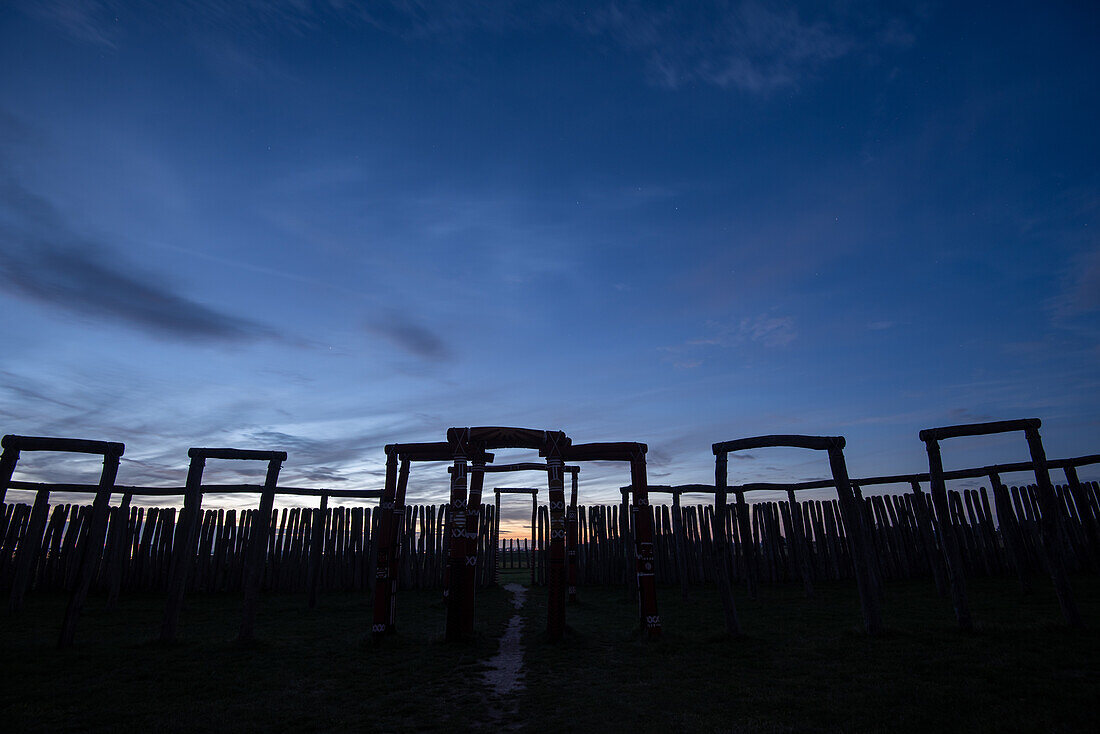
(505,673)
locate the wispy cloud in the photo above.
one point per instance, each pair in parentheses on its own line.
(400,330)
(42,259)
(766,329)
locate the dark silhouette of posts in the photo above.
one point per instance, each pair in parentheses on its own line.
(1051,538)
(92,547)
(187,531)
(858,536)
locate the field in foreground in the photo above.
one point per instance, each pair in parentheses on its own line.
(804,665)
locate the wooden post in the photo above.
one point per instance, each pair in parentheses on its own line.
(186,529)
(534,529)
(555,484)
(800,546)
(748,542)
(384,546)
(1052,529)
(928,538)
(396,539)
(316,548)
(626,538)
(643,545)
(29,548)
(572,539)
(8,459)
(721,547)
(1085,512)
(469,570)
(254,566)
(681,552)
(1006,519)
(457,551)
(119,551)
(949,540)
(857,539)
(496,539)
(93,545)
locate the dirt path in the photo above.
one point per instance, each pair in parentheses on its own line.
(506,667)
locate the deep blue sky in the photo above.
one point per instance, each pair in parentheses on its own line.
(312,227)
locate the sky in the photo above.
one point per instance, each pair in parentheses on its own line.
(322,227)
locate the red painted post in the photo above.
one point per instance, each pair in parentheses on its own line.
(457,556)
(643,548)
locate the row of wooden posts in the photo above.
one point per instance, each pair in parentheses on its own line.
(791,541)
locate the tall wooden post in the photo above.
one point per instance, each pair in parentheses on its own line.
(534,532)
(384,545)
(469,570)
(626,537)
(496,540)
(93,545)
(858,538)
(956,582)
(1006,519)
(397,534)
(643,548)
(119,552)
(928,538)
(317,547)
(8,459)
(555,481)
(725,588)
(456,557)
(681,551)
(1052,535)
(257,552)
(748,543)
(572,537)
(182,548)
(799,545)
(29,548)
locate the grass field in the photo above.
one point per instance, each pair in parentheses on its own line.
(803,665)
